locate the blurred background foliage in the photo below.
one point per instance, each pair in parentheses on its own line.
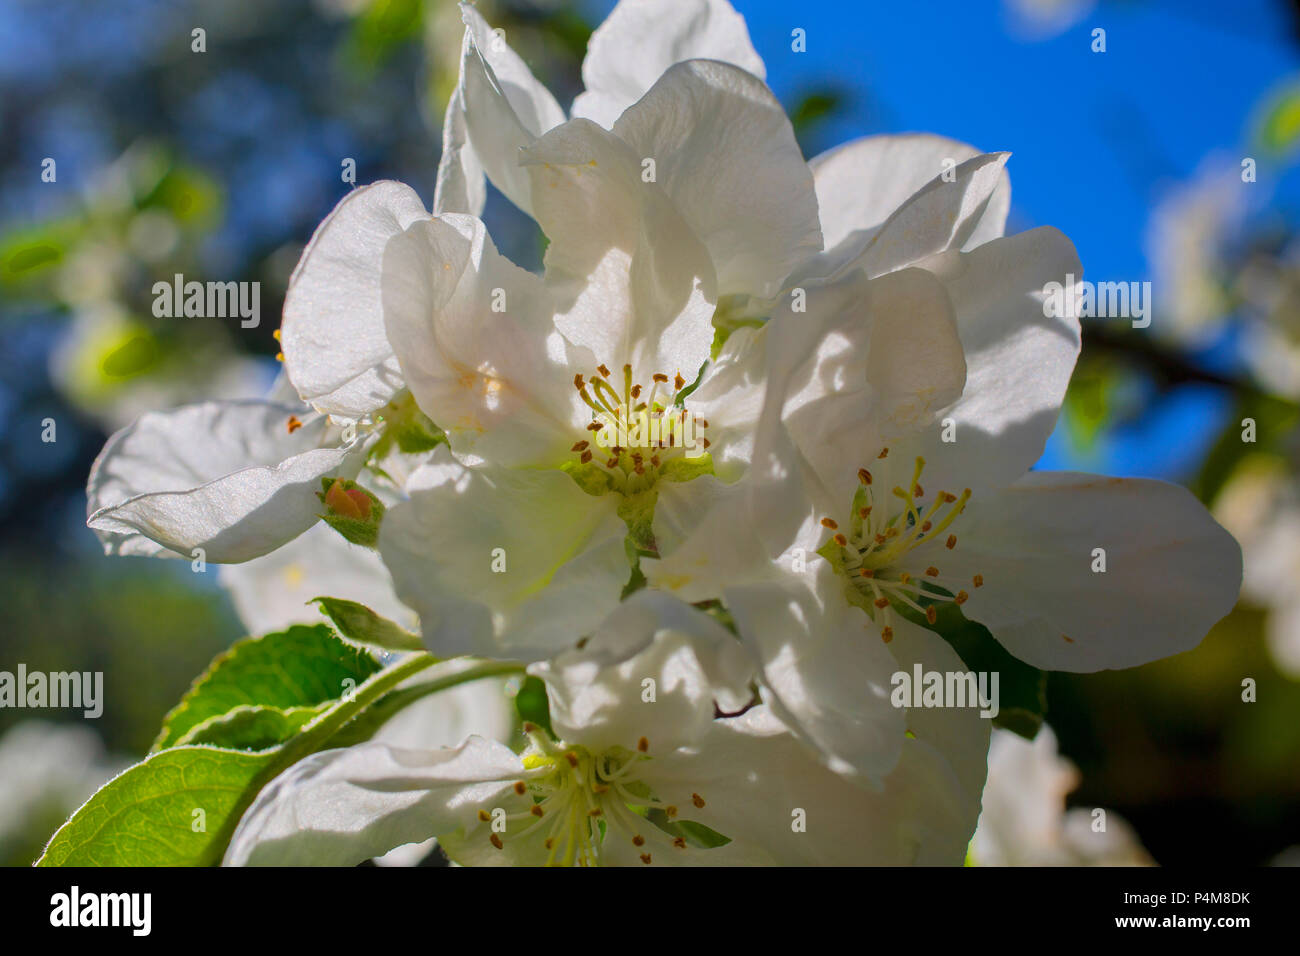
(220,164)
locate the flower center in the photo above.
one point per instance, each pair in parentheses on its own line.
(636,434)
(875,551)
(583,800)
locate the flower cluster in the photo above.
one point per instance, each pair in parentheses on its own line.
(715,476)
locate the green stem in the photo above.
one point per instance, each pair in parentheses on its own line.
(364,726)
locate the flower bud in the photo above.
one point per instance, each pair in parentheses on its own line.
(351,510)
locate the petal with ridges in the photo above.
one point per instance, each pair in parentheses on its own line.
(1171,570)
(341,807)
(725,153)
(641,39)
(335,351)
(561,551)
(227,477)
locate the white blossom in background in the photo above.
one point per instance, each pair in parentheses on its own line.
(1260,505)
(1035,20)
(47,770)
(1024,820)
(1187,239)
(272,592)
(1202,241)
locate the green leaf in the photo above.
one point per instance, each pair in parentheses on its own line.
(1022,690)
(382,28)
(358,623)
(418,434)
(252,727)
(813,107)
(1279,129)
(146,816)
(300,667)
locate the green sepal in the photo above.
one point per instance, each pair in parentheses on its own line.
(533,705)
(684,469)
(590,477)
(358,623)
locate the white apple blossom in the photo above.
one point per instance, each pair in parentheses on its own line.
(1062,568)
(496,550)
(1024,821)
(631,773)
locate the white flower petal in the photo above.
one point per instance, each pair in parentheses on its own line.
(1024,802)
(340,807)
(709,539)
(445,718)
(725,153)
(227,477)
(461,185)
(641,39)
(756,781)
(477,344)
(635,284)
(1171,571)
(598,694)
(862,182)
(270,593)
(960,734)
(825,668)
(561,550)
(504,106)
(1018,362)
(868,361)
(944,214)
(730,398)
(335,350)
